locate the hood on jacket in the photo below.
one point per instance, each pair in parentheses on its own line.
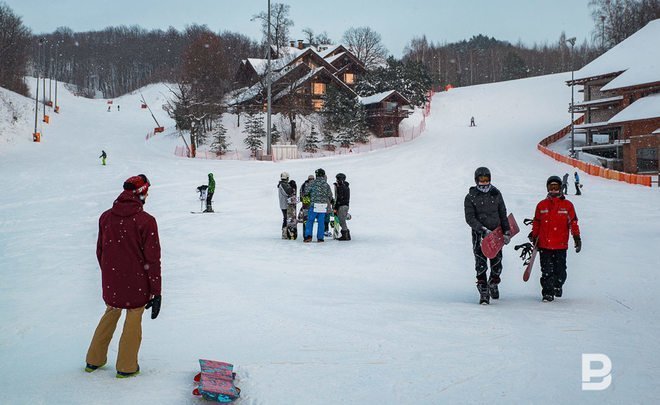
(127,204)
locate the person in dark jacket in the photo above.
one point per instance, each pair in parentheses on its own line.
(564,184)
(209,194)
(128,252)
(103,157)
(484,211)
(554,218)
(320,196)
(342,200)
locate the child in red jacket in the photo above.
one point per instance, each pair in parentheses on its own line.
(553,220)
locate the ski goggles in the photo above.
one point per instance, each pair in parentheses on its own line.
(483,179)
(554,187)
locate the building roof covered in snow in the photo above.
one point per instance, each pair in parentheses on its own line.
(645,108)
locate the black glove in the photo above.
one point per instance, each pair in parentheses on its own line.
(578,243)
(484,231)
(531,237)
(154,304)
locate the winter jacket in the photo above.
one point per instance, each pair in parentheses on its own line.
(319,191)
(211,188)
(128,252)
(285,192)
(564,180)
(553,219)
(343,193)
(485,210)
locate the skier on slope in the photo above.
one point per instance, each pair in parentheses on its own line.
(130,276)
(342,199)
(284,193)
(485,211)
(103,157)
(209,194)
(320,196)
(554,218)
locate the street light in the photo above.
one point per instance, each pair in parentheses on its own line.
(571,41)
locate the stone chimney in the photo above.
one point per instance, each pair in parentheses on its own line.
(292,44)
(300,44)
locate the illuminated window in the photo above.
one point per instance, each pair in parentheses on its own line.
(349,78)
(317,105)
(318,88)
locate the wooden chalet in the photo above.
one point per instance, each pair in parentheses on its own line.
(385,111)
(622,103)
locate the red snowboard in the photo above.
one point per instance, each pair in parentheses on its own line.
(494,241)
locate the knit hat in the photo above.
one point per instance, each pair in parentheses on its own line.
(138,184)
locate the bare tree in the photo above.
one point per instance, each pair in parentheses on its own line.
(616,20)
(308,35)
(366,44)
(14,45)
(280,23)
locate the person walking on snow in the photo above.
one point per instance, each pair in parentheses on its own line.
(484,211)
(343,197)
(320,197)
(209,194)
(103,157)
(472,124)
(564,184)
(554,218)
(128,252)
(578,186)
(284,192)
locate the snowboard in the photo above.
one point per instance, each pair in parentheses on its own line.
(494,241)
(292,218)
(334,226)
(528,269)
(216,381)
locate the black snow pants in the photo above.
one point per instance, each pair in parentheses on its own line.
(481,262)
(553,270)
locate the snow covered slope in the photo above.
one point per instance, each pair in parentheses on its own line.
(388,318)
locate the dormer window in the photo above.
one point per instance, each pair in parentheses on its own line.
(349,78)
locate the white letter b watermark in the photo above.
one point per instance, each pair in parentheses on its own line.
(603,372)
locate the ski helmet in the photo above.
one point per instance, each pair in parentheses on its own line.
(137,184)
(481,171)
(320,173)
(553,180)
(284,176)
(341,177)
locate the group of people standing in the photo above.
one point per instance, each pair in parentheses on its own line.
(564,184)
(318,203)
(554,219)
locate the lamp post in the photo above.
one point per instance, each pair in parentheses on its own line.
(268,79)
(571,41)
(35,137)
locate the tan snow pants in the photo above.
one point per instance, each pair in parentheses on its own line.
(129,343)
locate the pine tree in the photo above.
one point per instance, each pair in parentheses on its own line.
(275,135)
(254,128)
(346,117)
(220,143)
(312,141)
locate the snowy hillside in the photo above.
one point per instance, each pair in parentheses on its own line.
(388,318)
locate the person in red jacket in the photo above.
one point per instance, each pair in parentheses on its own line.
(128,252)
(553,220)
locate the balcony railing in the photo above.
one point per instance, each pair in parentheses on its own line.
(382,112)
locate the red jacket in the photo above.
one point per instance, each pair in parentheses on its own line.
(553,219)
(128,251)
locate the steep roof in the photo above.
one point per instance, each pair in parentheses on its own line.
(379,97)
(639,51)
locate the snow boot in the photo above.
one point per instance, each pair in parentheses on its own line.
(548,298)
(493,283)
(89,368)
(307,239)
(558,292)
(121,374)
(344,235)
(484,296)
(209,208)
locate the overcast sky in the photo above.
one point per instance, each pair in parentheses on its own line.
(398,21)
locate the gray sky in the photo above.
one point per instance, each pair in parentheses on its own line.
(398,21)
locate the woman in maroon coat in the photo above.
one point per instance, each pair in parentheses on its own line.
(128,252)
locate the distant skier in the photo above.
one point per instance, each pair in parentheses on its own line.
(554,218)
(564,184)
(484,211)
(342,199)
(320,196)
(109,107)
(117,107)
(209,194)
(472,124)
(128,252)
(284,193)
(103,157)
(578,186)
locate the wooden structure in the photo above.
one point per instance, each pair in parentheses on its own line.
(385,111)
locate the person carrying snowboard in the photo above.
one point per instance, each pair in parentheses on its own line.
(578,186)
(209,194)
(320,197)
(130,276)
(484,211)
(343,197)
(284,193)
(292,220)
(103,157)
(554,218)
